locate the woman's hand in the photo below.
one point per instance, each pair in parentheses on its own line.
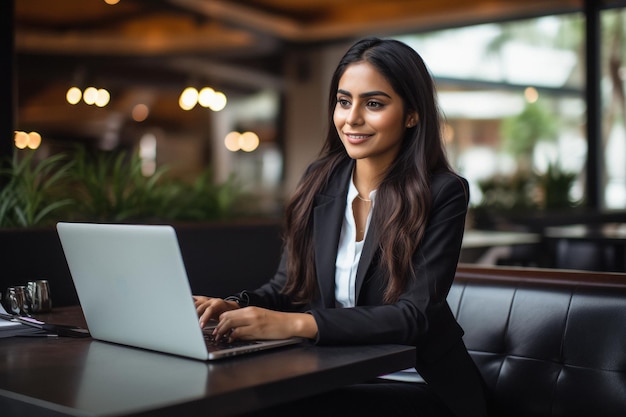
(210,308)
(250,323)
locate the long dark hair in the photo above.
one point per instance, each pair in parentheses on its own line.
(403,199)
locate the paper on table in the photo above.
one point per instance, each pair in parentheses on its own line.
(12,328)
(6,324)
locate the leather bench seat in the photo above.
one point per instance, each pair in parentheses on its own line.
(548,342)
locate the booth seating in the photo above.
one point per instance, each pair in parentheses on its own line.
(547,342)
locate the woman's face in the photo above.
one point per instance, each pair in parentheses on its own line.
(369,115)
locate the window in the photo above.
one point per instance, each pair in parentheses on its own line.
(513,97)
(613,112)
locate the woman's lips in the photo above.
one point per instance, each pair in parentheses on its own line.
(356,138)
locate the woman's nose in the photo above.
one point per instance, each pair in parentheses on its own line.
(354,117)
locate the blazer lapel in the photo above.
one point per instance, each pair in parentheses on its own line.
(328,215)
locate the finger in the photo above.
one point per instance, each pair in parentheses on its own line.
(205,311)
(233,333)
(222,328)
(198,301)
(225,325)
(204,318)
(201,307)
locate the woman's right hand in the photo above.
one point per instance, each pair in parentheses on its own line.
(210,308)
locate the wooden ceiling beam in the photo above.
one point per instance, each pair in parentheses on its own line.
(351,19)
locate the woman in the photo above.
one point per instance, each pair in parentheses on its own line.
(372,240)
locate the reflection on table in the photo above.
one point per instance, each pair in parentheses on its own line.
(603,232)
(487,247)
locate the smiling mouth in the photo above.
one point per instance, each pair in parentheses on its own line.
(354,138)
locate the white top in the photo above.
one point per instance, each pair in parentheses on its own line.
(349,251)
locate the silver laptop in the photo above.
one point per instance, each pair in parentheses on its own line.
(133,288)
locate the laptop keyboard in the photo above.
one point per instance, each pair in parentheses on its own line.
(214,344)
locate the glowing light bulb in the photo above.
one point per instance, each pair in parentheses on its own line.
(218,102)
(531,94)
(20,139)
(248,141)
(231,141)
(90,95)
(34,140)
(188,98)
(102,98)
(73,95)
(206,96)
(140,112)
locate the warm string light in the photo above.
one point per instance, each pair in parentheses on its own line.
(99,97)
(247,141)
(206,97)
(25,140)
(531,94)
(73,95)
(140,112)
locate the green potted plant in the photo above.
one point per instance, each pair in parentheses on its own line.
(110,188)
(29,194)
(107,187)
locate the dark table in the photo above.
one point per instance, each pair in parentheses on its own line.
(46,376)
(599,247)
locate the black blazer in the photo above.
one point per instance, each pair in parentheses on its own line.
(421,317)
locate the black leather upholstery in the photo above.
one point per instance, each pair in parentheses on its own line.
(548,342)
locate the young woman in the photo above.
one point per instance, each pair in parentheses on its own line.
(372,240)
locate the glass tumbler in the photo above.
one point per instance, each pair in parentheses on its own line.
(16,301)
(38,294)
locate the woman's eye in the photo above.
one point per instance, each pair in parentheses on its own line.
(375,104)
(343,102)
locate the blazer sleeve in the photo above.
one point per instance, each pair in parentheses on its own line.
(421,316)
(269,295)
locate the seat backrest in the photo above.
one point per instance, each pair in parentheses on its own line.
(547,342)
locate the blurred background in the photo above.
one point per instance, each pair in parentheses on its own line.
(532,91)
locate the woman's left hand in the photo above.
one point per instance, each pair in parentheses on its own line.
(250,323)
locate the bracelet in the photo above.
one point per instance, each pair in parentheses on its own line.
(243,299)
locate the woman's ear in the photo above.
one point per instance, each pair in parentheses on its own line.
(411,119)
